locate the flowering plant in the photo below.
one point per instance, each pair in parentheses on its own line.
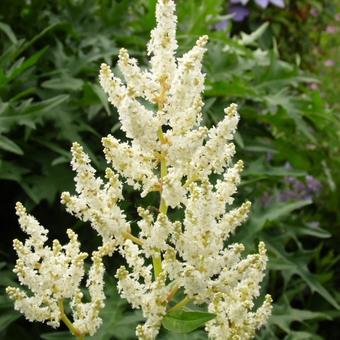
(239,10)
(170,153)
(261,3)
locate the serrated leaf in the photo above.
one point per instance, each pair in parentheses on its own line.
(283,315)
(185,322)
(295,263)
(282,209)
(274,212)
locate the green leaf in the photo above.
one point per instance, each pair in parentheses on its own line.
(3,78)
(28,44)
(7,318)
(258,168)
(260,217)
(283,315)
(185,322)
(33,110)
(312,230)
(282,209)
(57,335)
(8,31)
(117,323)
(64,83)
(234,88)
(248,39)
(27,64)
(11,171)
(303,336)
(197,335)
(10,146)
(5,302)
(102,96)
(295,263)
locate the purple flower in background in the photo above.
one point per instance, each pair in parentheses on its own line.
(243,2)
(314,12)
(221,25)
(313,86)
(299,190)
(265,3)
(277,3)
(266,199)
(331,29)
(261,3)
(239,12)
(313,185)
(329,63)
(294,190)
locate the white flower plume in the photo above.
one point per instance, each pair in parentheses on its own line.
(169,152)
(53,274)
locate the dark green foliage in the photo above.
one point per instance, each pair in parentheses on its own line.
(50,52)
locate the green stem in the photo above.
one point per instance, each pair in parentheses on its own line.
(68,322)
(132,238)
(172,292)
(157,264)
(179,305)
(163,208)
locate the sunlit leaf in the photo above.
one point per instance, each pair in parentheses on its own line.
(185,322)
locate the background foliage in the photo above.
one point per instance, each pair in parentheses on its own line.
(288,137)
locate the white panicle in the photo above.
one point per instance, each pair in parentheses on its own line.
(52,274)
(163,44)
(96,202)
(185,104)
(140,83)
(139,123)
(137,167)
(167,152)
(86,315)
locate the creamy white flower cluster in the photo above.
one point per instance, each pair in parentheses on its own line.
(53,274)
(168,152)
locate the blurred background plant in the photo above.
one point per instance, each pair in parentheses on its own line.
(280,64)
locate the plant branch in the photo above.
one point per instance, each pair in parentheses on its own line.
(68,322)
(172,292)
(179,305)
(135,239)
(163,208)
